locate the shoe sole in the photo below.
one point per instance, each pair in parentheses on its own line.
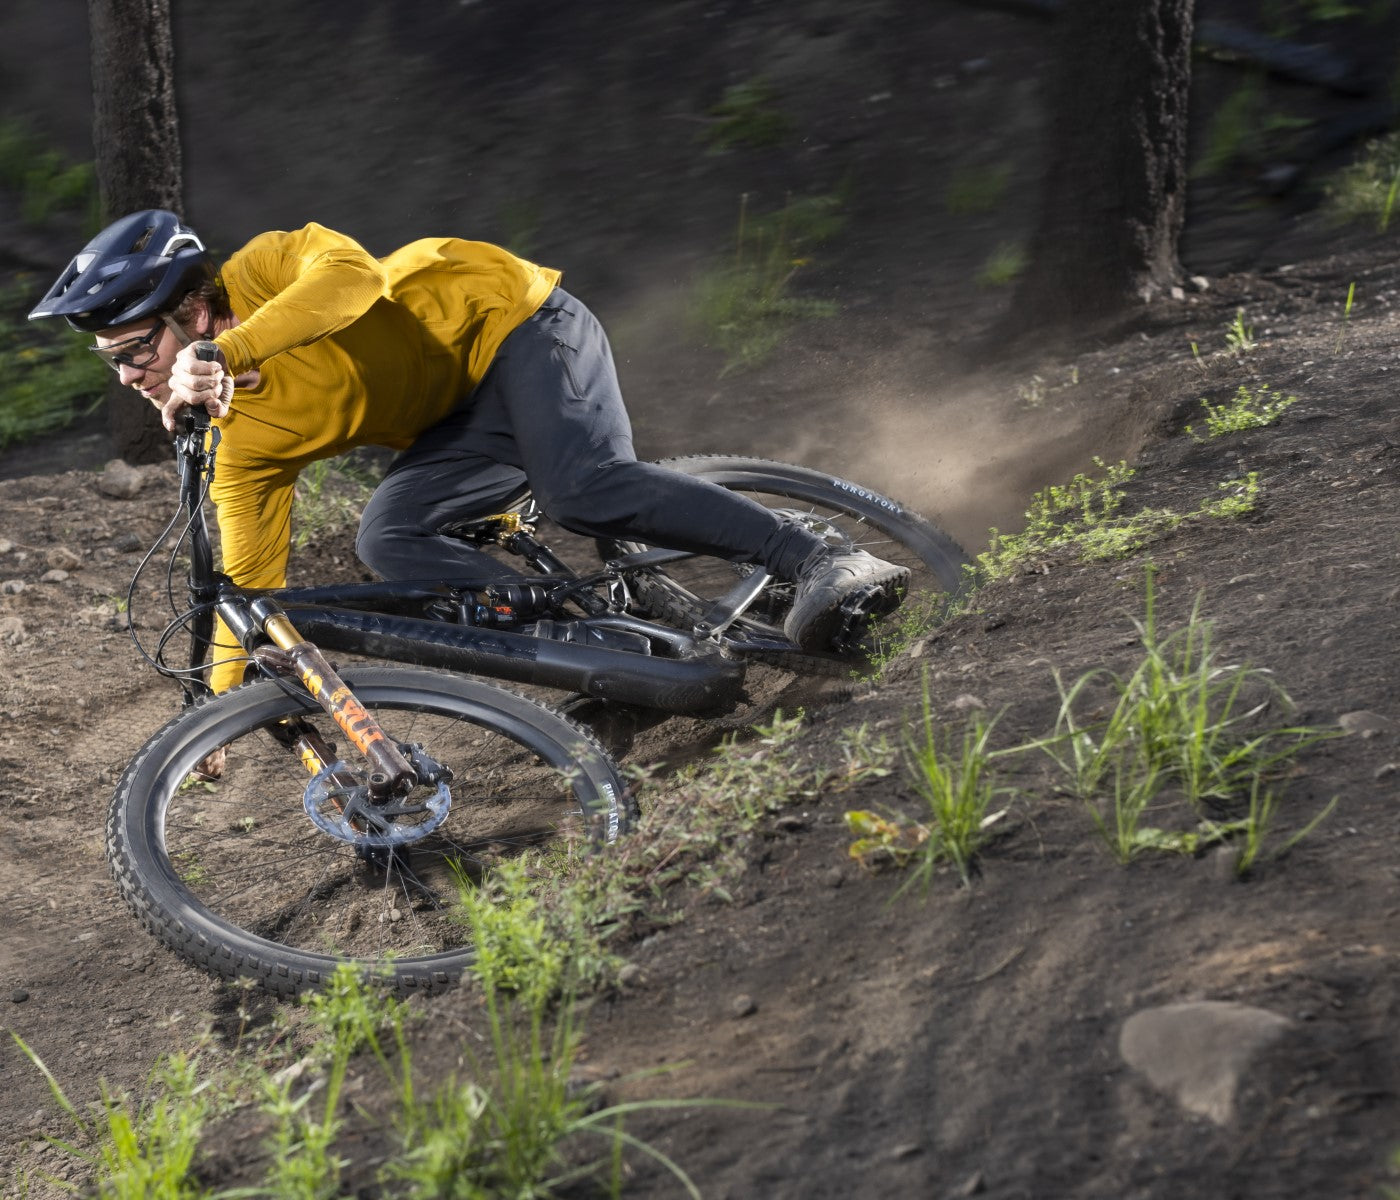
(880,596)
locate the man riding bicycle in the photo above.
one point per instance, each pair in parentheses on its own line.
(470,361)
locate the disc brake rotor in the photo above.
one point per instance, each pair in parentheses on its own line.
(347,813)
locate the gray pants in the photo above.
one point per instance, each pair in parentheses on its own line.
(549,412)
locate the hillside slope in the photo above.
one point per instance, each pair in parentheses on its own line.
(918,1045)
(966,1041)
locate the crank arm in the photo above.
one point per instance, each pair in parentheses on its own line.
(728,608)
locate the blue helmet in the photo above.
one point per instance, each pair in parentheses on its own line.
(138,267)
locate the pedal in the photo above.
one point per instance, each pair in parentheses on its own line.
(861,609)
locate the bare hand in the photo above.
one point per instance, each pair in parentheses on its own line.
(195,383)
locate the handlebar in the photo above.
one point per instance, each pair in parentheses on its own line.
(196,420)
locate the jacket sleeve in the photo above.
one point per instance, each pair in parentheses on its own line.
(295,288)
(255,521)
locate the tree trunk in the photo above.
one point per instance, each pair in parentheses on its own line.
(1115,187)
(137,140)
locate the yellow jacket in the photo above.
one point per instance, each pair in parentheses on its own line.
(352,351)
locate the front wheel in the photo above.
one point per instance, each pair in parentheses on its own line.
(248,876)
(844,514)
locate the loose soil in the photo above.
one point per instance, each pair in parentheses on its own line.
(963,1041)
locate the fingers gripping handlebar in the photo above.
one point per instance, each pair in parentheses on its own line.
(207,351)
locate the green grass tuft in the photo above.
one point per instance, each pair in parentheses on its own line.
(1245,410)
(747,117)
(1003,266)
(1184,725)
(745,307)
(1086,517)
(1367,191)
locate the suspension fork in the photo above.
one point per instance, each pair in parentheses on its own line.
(390,772)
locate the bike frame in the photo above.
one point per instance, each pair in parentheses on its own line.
(385,621)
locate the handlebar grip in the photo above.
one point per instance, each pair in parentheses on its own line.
(206,351)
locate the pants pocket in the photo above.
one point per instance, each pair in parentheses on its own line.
(566,354)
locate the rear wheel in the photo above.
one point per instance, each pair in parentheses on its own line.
(844,514)
(262,874)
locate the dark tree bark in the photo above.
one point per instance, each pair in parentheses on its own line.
(137,140)
(1115,187)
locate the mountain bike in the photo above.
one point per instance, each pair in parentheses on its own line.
(356,802)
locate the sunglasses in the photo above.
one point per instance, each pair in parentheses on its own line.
(139,351)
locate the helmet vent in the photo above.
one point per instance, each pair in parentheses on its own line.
(181,239)
(140,243)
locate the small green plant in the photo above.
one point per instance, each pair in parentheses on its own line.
(516,949)
(864,755)
(330,495)
(957,789)
(745,307)
(1333,10)
(754,777)
(1003,266)
(918,616)
(1245,410)
(301,1149)
(1086,517)
(694,829)
(747,116)
(1239,335)
(1346,315)
(520,221)
(1182,720)
(954,781)
(349,1013)
(884,840)
(1238,498)
(1121,825)
(145,1151)
(1245,129)
(974,190)
(1232,129)
(514,1123)
(1367,190)
(1286,18)
(1258,822)
(46,182)
(1058,515)
(193,873)
(514,1127)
